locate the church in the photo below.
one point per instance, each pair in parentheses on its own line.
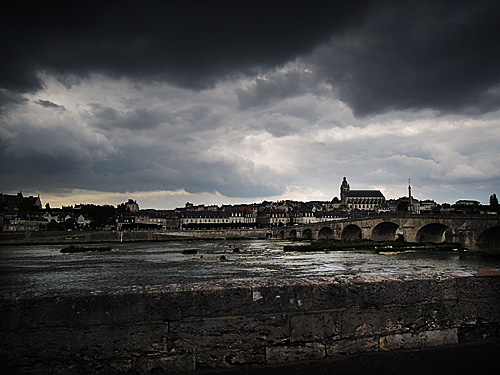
(363,200)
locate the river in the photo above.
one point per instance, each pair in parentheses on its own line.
(41,268)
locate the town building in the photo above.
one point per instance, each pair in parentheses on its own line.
(273,218)
(428,206)
(19,202)
(210,219)
(23,223)
(132,205)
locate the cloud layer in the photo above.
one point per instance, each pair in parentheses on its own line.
(218,102)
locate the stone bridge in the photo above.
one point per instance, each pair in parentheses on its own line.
(472,231)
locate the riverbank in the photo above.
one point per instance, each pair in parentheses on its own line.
(88,237)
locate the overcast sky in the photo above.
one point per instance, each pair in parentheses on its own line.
(216,103)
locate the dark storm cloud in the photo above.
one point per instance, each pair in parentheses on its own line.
(49,104)
(418,54)
(110,118)
(275,87)
(189,43)
(384,55)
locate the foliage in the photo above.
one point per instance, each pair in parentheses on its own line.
(493,200)
(62,226)
(99,215)
(77,249)
(398,245)
(140,226)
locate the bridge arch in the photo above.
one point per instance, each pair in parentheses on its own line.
(489,238)
(307,234)
(325,233)
(292,234)
(352,232)
(435,233)
(281,234)
(385,231)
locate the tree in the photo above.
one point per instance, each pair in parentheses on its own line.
(403,206)
(100,215)
(493,200)
(122,208)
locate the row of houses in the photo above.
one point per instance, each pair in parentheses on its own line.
(35,221)
(211,219)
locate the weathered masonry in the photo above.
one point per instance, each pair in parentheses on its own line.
(190,327)
(471,231)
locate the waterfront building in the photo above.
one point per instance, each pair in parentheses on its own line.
(468,202)
(304,217)
(273,218)
(332,215)
(23,224)
(216,219)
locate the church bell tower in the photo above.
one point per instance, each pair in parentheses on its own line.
(343,188)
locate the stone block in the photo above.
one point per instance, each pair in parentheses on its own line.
(10,313)
(378,291)
(446,314)
(478,333)
(103,367)
(85,309)
(287,353)
(352,346)
(272,297)
(314,327)
(329,294)
(359,322)
(164,364)
(228,333)
(404,291)
(478,287)
(176,302)
(230,358)
(488,310)
(106,342)
(419,340)
(36,346)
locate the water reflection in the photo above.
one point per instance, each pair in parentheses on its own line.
(39,268)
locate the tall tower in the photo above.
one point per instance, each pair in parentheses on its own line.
(343,188)
(410,198)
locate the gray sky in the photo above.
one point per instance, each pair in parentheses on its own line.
(215,102)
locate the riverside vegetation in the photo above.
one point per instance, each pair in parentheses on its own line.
(378,247)
(82,249)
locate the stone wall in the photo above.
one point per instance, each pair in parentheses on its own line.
(44,237)
(190,327)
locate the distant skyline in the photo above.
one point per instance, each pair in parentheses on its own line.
(219,103)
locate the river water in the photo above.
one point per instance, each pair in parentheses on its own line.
(42,267)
